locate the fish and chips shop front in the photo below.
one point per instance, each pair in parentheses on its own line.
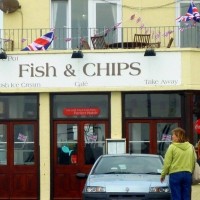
(59,114)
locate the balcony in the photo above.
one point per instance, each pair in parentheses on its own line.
(68,38)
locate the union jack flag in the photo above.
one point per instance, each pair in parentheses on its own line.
(166,137)
(196,14)
(41,43)
(192,14)
(22,137)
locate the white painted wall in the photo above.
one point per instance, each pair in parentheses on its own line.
(1,19)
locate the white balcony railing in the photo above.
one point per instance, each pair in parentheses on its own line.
(67,38)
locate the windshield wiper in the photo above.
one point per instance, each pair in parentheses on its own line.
(111,173)
(118,172)
(156,173)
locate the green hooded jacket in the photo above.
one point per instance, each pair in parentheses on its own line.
(179,157)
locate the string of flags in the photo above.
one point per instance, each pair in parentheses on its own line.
(45,41)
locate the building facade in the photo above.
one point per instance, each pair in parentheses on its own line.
(58,113)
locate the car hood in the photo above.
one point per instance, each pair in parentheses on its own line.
(126,183)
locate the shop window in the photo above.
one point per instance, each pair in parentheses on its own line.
(80,106)
(139,138)
(94,136)
(3,144)
(67,143)
(18,107)
(152,105)
(164,136)
(24,144)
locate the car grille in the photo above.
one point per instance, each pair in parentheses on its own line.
(126,197)
(119,197)
(110,196)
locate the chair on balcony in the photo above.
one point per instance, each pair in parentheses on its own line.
(99,42)
(7,44)
(170,42)
(84,44)
(141,40)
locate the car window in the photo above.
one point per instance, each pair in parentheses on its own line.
(128,164)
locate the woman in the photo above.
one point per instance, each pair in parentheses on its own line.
(179,163)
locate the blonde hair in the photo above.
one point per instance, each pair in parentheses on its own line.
(180,134)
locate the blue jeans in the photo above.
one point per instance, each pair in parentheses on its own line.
(181,185)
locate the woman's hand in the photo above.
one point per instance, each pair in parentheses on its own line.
(162,179)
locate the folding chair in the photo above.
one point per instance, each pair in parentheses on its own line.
(84,44)
(141,40)
(170,42)
(99,42)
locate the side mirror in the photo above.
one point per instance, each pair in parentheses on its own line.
(81,175)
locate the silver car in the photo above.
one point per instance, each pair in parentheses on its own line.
(125,177)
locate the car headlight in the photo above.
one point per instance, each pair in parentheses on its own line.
(159,189)
(95,189)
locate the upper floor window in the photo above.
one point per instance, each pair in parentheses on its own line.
(77,19)
(189,32)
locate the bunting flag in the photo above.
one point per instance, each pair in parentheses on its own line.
(22,137)
(166,137)
(68,39)
(41,43)
(132,17)
(192,14)
(23,40)
(138,20)
(116,26)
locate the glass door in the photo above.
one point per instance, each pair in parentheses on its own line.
(149,136)
(76,146)
(3,144)
(19,165)
(164,136)
(24,144)
(94,141)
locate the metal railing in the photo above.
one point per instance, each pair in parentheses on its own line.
(70,38)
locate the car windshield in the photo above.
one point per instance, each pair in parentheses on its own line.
(129,165)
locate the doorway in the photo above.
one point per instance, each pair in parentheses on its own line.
(19,167)
(76,146)
(149,136)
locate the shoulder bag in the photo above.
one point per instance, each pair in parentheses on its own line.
(196,172)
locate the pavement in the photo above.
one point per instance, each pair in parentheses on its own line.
(196,192)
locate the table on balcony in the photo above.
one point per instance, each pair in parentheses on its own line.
(128,45)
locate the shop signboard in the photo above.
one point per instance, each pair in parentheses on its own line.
(81,111)
(107,71)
